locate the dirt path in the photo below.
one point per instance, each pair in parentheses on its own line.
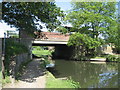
(33,77)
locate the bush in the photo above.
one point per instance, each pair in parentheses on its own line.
(12,49)
(113,58)
(118,59)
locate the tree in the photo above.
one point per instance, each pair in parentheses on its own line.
(26,15)
(114,34)
(95,19)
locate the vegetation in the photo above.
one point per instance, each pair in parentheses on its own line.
(6,80)
(15,47)
(109,58)
(12,49)
(27,15)
(84,44)
(93,18)
(95,24)
(39,51)
(0,72)
(114,38)
(52,82)
(115,58)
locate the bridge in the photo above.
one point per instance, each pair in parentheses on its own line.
(48,42)
(50,38)
(59,41)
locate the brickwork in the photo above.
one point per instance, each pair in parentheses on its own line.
(52,36)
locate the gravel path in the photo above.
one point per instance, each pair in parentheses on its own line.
(33,77)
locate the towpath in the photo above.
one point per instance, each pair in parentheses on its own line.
(33,77)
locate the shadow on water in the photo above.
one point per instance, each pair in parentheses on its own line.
(89,75)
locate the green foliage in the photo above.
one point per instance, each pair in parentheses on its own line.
(6,80)
(26,15)
(0,77)
(114,37)
(12,49)
(62,30)
(78,39)
(52,82)
(113,58)
(40,52)
(47,62)
(93,18)
(44,54)
(97,17)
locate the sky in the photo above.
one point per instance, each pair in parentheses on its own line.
(64,5)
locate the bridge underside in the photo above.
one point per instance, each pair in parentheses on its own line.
(48,43)
(62,51)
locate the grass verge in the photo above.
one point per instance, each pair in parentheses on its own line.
(40,53)
(52,82)
(6,80)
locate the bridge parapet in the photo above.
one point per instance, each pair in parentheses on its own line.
(52,36)
(57,40)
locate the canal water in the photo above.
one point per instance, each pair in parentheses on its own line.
(88,74)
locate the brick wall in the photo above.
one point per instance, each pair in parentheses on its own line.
(53,36)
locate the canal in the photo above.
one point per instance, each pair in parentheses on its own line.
(88,74)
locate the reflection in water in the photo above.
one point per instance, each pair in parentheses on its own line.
(89,75)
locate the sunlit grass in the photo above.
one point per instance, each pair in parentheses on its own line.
(6,80)
(52,82)
(41,52)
